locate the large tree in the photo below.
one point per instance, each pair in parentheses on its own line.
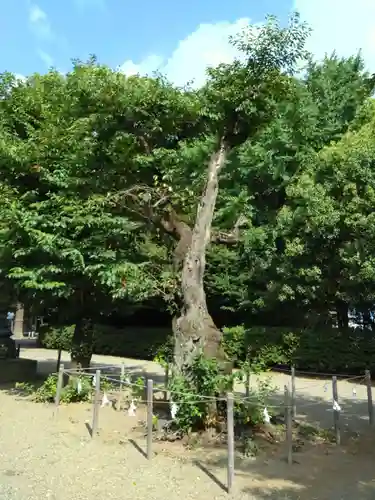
(263,279)
(93,154)
(62,235)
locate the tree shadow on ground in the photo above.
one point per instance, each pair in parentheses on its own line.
(320,471)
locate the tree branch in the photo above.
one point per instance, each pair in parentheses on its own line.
(232,237)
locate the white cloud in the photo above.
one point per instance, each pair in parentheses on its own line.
(341,25)
(207,46)
(20,78)
(46,58)
(39,23)
(146,66)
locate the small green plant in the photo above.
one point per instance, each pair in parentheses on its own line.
(164,355)
(250,447)
(155,421)
(78,389)
(25,388)
(250,410)
(138,388)
(47,391)
(106,385)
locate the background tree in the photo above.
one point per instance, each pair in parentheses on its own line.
(64,234)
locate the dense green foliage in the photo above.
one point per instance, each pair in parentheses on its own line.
(324,350)
(93,164)
(131,342)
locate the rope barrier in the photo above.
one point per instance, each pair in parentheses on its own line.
(158,388)
(318,374)
(282,370)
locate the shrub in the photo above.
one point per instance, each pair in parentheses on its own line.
(73,392)
(196,393)
(78,389)
(234,342)
(58,337)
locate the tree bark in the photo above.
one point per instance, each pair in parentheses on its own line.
(82,343)
(18,322)
(342,311)
(195,331)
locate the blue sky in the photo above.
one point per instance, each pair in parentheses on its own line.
(180,41)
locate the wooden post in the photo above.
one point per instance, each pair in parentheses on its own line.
(247,382)
(122,377)
(60,379)
(369,398)
(58,363)
(18,321)
(230,430)
(293,376)
(288,424)
(336,411)
(95,415)
(150,397)
(166,382)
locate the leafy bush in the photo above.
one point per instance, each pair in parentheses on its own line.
(70,393)
(59,337)
(249,411)
(196,391)
(77,389)
(234,342)
(192,391)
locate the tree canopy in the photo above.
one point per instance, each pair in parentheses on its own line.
(110,190)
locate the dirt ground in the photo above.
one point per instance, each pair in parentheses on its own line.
(320,471)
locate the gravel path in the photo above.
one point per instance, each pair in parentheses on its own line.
(41,459)
(46,458)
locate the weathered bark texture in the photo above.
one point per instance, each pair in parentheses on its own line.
(82,343)
(195,331)
(18,322)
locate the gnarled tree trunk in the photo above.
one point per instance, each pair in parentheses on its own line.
(82,343)
(195,331)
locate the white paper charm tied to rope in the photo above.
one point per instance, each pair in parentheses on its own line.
(354,392)
(266,416)
(336,406)
(94,380)
(174,410)
(132,408)
(105,401)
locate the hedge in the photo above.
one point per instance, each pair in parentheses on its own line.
(130,342)
(323,350)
